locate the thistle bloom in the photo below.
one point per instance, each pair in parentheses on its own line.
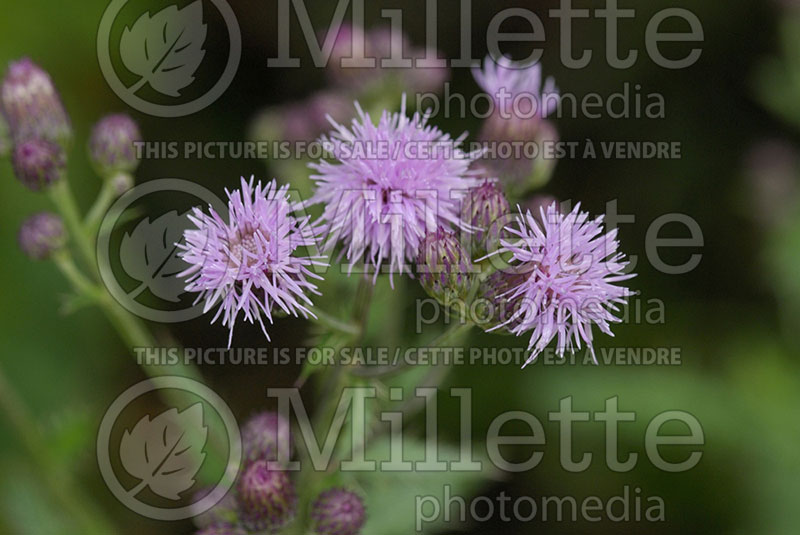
(267,498)
(569,272)
(521,105)
(390,185)
(250,264)
(338,512)
(32,104)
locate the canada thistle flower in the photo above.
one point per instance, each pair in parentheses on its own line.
(112,146)
(338,512)
(251,263)
(444,267)
(41,235)
(389,184)
(569,271)
(267,498)
(38,163)
(520,106)
(263,434)
(32,105)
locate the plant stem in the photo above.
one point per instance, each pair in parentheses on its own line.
(62,198)
(101,205)
(58,481)
(326,320)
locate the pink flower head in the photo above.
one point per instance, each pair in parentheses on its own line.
(515,87)
(570,269)
(389,185)
(251,263)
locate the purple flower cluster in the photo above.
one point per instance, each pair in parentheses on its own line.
(392,191)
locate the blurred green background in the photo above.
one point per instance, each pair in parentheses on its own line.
(733,317)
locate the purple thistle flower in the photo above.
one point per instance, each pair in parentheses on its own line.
(263,434)
(520,108)
(41,235)
(338,512)
(112,147)
(390,185)
(570,269)
(249,264)
(32,104)
(267,498)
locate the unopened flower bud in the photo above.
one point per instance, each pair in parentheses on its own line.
(487,209)
(267,498)
(443,266)
(263,434)
(38,163)
(496,304)
(222,529)
(32,104)
(122,183)
(41,235)
(112,146)
(338,512)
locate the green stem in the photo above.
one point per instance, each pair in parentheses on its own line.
(101,204)
(326,320)
(335,380)
(62,198)
(58,481)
